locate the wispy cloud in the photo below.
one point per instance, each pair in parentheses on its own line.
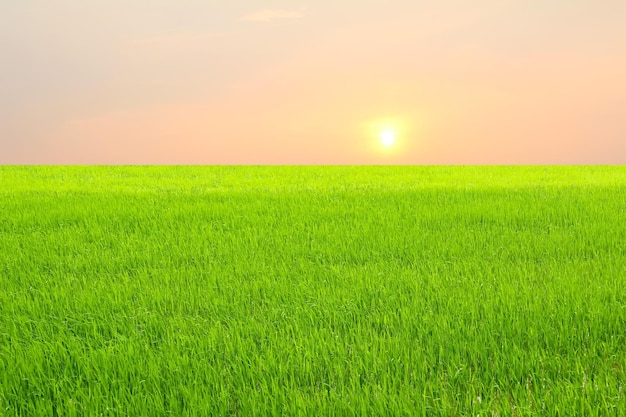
(270,15)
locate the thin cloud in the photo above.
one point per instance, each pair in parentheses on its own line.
(270,15)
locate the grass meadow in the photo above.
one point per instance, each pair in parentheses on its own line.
(314,291)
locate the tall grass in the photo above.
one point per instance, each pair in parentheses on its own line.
(318,291)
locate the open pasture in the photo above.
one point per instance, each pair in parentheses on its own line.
(322,291)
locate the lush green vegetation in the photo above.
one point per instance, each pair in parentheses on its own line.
(312,291)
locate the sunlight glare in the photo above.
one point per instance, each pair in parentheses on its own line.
(388,138)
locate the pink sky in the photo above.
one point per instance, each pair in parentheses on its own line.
(278,82)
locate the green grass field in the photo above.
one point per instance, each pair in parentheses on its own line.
(321,291)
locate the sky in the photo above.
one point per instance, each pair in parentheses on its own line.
(303,82)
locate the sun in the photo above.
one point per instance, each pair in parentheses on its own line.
(387,138)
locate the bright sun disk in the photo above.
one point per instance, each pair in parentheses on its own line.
(388,138)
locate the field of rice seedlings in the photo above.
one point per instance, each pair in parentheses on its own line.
(321,291)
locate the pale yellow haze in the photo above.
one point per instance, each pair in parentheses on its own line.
(324,82)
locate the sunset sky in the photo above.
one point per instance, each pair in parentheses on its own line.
(312,82)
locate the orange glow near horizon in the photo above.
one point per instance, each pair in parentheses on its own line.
(244,83)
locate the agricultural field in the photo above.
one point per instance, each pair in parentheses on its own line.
(317,291)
